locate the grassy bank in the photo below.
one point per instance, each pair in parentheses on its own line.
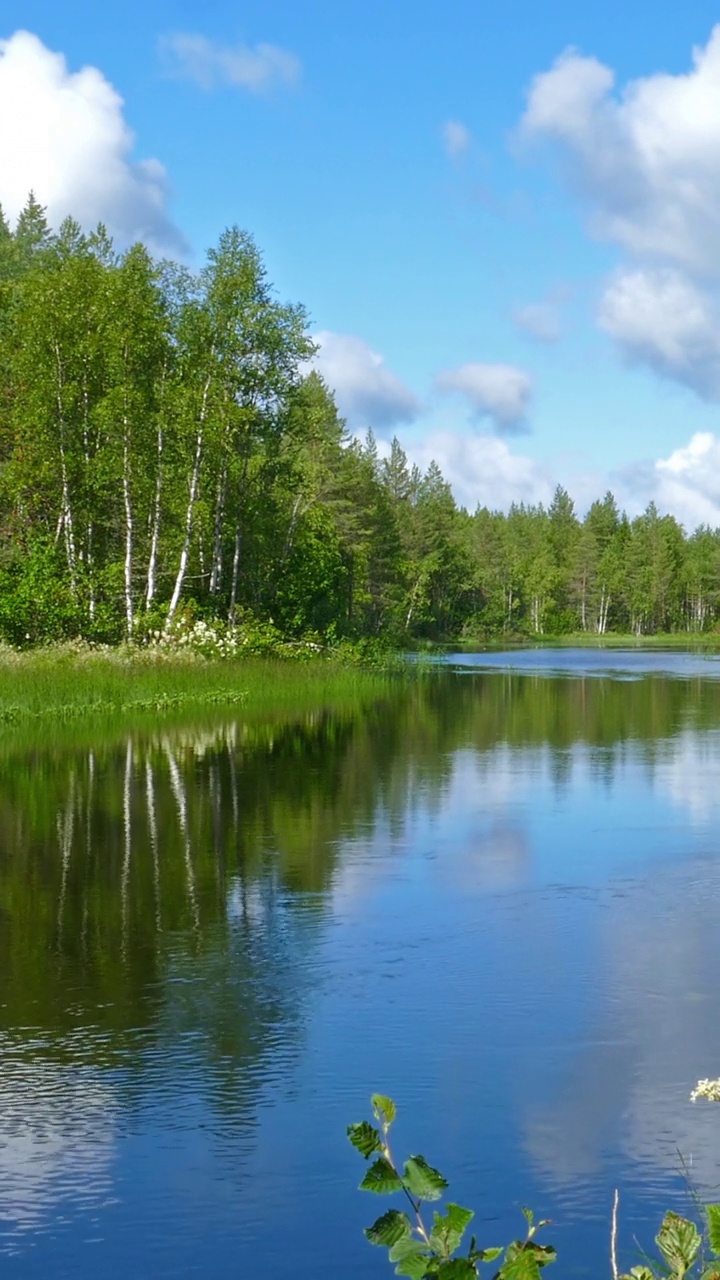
(66,685)
(589,640)
(668,640)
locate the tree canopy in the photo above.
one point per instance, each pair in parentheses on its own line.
(165,447)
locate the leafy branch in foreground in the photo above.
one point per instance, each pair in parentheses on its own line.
(421,1249)
(683,1250)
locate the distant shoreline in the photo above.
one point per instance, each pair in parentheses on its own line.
(584,640)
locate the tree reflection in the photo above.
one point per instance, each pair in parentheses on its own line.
(182,878)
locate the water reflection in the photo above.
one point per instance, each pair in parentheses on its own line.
(654,1033)
(494,894)
(58,1133)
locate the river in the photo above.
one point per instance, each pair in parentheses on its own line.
(494,895)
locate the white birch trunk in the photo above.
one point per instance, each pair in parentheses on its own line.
(155,536)
(194,483)
(129,613)
(217,565)
(66,508)
(297,507)
(235,573)
(89,528)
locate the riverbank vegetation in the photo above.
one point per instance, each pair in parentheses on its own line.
(445,1249)
(68,683)
(166,452)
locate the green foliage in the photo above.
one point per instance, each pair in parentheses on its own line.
(684,1251)
(36,604)
(421,1250)
(713,1226)
(164,448)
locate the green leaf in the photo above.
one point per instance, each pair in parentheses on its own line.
(407,1247)
(485,1255)
(389,1229)
(422,1181)
(415,1267)
(679,1242)
(541,1254)
(449,1228)
(384,1109)
(456,1269)
(713,1221)
(522,1266)
(711,1273)
(639,1273)
(544,1253)
(411,1256)
(381,1178)
(364,1138)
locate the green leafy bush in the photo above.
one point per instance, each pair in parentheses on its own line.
(441,1250)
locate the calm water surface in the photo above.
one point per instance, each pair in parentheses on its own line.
(494,895)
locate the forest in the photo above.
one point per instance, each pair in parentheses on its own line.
(167,452)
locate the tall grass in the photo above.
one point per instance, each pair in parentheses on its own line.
(45,691)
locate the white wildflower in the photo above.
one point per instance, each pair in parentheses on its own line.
(708,1089)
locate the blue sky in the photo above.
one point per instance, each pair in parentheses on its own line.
(510,251)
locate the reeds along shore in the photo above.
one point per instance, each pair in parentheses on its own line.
(66,684)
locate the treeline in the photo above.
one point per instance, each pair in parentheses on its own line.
(164,451)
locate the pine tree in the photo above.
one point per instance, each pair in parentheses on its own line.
(32,232)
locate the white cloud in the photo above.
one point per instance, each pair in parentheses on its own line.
(71,145)
(258,69)
(486,471)
(482,469)
(539,320)
(646,159)
(686,484)
(456,137)
(366,392)
(500,392)
(659,317)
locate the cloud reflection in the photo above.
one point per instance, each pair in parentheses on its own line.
(57,1137)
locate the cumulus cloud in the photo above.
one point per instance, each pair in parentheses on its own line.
(367,393)
(483,470)
(686,484)
(71,145)
(500,392)
(660,318)
(257,68)
(456,138)
(538,320)
(646,159)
